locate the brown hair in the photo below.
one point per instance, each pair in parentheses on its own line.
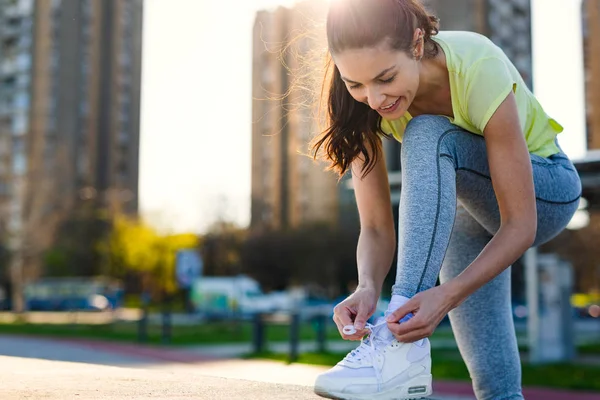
(352,126)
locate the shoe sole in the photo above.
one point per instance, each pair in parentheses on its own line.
(420,386)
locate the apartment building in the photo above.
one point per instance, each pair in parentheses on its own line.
(288,187)
(69,111)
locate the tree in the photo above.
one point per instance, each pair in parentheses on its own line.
(134,247)
(221,249)
(76,249)
(579,247)
(316,254)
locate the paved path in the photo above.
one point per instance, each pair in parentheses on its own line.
(34,368)
(58,380)
(24,378)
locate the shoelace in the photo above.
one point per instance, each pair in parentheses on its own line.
(367,348)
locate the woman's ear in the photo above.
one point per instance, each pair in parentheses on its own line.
(419,44)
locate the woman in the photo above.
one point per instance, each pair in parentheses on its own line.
(483,179)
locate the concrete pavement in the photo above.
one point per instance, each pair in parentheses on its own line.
(33,368)
(24,378)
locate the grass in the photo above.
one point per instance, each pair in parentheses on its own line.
(211,333)
(200,334)
(592,349)
(447,365)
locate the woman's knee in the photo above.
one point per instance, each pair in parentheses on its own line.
(427,124)
(426,130)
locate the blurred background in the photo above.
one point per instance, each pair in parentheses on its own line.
(156,184)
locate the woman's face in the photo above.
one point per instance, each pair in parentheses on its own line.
(385,79)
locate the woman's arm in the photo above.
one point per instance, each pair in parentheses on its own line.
(512,179)
(376,246)
(377,240)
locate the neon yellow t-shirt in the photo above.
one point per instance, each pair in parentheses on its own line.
(481,76)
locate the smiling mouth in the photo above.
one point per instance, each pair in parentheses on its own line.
(390,105)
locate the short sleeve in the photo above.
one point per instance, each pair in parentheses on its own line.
(386,127)
(489,81)
(394,128)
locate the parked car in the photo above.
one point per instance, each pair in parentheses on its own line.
(218,297)
(73,294)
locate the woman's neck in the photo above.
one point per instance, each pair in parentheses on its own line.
(434,86)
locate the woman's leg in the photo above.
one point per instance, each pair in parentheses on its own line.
(440,164)
(485,334)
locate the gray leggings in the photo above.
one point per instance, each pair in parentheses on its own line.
(443,165)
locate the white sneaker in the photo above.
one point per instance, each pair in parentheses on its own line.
(380,368)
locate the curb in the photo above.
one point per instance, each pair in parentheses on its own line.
(530,393)
(137,350)
(156,353)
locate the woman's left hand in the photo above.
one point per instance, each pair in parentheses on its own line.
(428,308)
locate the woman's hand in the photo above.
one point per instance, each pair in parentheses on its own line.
(356,310)
(428,307)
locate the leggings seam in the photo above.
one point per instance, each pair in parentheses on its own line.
(439,200)
(537,198)
(552,164)
(437,213)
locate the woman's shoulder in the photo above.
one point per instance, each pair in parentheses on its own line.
(463,38)
(464,48)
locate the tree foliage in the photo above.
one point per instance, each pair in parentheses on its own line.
(133,246)
(75,250)
(316,255)
(221,249)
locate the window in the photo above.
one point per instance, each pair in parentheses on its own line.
(268,76)
(23,80)
(9,44)
(125,59)
(82,165)
(9,83)
(14,22)
(84,107)
(51,123)
(22,100)
(123,138)
(4,189)
(20,124)
(19,161)
(7,102)
(122,167)
(15,222)
(26,6)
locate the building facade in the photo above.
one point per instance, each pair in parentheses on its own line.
(591,42)
(288,187)
(70,76)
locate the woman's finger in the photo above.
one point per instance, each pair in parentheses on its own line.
(413,336)
(340,327)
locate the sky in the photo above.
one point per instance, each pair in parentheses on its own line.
(195,159)
(196,112)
